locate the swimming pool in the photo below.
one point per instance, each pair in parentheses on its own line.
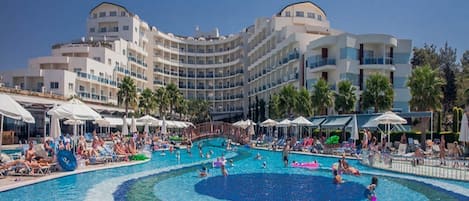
(166,178)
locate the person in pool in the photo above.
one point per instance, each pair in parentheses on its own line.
(337,178)
(231,163)
(203,172)
(285,155)
(370,193)
(258,156)
(224,172)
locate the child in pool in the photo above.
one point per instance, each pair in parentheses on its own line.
(337,178)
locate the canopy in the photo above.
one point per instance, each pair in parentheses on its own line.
(317,121)
(147,119)
(269,123)
(102,122)
(284,123)
(301,121)
(464,132)
(335,122)
(74,109)
(14,110)
(73,122)
(390,118)
(244,124)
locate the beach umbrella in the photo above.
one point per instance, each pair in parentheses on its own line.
(354,135)
(74,109)
(54,127)
(12,109)
(464,132)
(133,126)
(75,123)
(301,121)
(389,118)
(269,123)
(125,129)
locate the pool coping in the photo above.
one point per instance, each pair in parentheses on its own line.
(56,175)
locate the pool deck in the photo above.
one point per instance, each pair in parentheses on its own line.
(12,182)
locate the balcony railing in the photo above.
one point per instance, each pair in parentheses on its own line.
(322,62)
(378,60)
(97,78)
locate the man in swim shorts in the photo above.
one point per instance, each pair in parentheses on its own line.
(285,155)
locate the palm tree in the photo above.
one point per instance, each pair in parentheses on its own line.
(303,105)
(147,101)
(378,93)
(425,88)
(162,101)
(173,95)
(182,106)
(287,100)
(345,97)
(198,110)
(127,94)
(321,98)
(274,107)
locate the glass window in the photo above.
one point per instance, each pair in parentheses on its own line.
(54,85)
(123,51)
(125,28)
(70,86)
(287,14)
(319,17)
(123,13)
(81,88)
(311,15)
(92,30)
(113,13)
(300,13)
(115,29)
(95,15)
(136,29)
(102,14)
(102,29)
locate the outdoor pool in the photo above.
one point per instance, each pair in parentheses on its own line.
(166,178)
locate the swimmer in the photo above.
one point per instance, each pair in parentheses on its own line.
(178,155)
(258,156)
(163,153)
(223,170)
(231,163)
(211,152)
(264,165)
(337,178)
(207,155)
(203,172)
(201,154)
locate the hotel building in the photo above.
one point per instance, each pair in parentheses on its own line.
(295,46)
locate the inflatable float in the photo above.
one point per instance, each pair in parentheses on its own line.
(67,160)
(309,165)
(218,163)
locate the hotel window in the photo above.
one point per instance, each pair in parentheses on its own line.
(123,51)
(70,86)
(300,13)
(77,70)
(115,29)
(81,88)
(311,15)
(91,30)
(95,15)
(102,29)
(113,13)
(287,14)
(136,29)
(54,85)
(102,14)
(97,58)
(109,61)
(125,28)
(320,17)
(123,13)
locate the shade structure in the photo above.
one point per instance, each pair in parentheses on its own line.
(12,109)
(284,123)
(238,123)
(74,109)
(301,121)
(354,135)
(269,123)
(55,130)
(102,122)
(73,122)
(125,128)
(147,119)
(133,125)
(244,124)
(389,118)
(464,131)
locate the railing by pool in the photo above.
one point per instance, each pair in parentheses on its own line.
(431,167)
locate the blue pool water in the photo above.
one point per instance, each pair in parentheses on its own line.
(166,178)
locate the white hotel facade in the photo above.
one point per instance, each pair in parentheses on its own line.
(295,46)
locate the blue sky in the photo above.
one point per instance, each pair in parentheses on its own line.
(29,28)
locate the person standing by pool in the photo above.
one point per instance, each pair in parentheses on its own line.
(442,150)
(285,155)
(224,172)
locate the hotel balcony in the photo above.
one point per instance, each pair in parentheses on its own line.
(131,73)
(138,61)
(377,63)
(99,79)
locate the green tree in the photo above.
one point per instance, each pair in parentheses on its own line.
(274,107)
(262,110)
(425,56)
(344,98)
(463,80)
(198,110)
(321,97)
(182,107)
(447,58)
(174,95)
(426,95)
(162,100)
(303,105)
(127,94)
(287,100)
(378,93)
(147,101)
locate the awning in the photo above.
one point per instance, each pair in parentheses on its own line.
(317,121)
(335,122)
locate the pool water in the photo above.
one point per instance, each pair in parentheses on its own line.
(167,178)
